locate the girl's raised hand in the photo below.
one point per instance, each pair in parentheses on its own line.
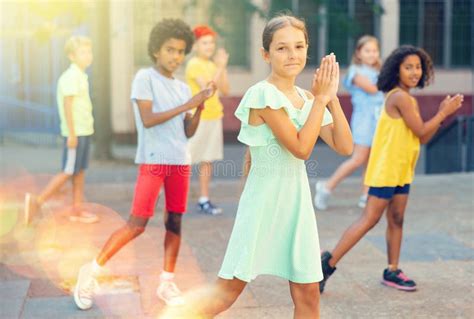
(210,89)
(320,83)
(199,99)
(326,78)
(451,104)
(221,58)
(335,77)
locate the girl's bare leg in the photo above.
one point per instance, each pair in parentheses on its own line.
(395,214)
(306,300)
(372,213)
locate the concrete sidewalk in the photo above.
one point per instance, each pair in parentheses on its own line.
(39,264)
(16,157)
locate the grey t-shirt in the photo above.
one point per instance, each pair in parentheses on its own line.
(165,143)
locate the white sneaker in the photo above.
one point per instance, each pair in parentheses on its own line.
(84,217)
(321,197)
(170,294)
(362,201)
(209,208)
(85,288)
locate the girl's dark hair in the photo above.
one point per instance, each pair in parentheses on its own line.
(278,22)
(389,76)
(167,29)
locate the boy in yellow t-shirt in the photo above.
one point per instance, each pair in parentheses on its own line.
(206,146)
(77,126)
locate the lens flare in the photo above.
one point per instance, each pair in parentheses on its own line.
(53,248)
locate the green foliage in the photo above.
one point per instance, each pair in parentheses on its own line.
(48,15)
(50,10)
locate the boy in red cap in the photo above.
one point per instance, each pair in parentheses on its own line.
(206,146)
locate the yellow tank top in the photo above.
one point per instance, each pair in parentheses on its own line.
(394,152)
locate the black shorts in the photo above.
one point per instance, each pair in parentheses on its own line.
(76,159)
(389,192)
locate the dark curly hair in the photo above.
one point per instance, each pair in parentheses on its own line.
(389,76)
(167,29)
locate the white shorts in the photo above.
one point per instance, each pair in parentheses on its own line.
(207,145)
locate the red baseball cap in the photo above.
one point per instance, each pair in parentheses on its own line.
(202,30)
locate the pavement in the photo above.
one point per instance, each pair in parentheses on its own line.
(39,264)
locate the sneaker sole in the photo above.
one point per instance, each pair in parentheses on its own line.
(83,221)
(316,205)
(319,207)
(206,213)
(77,300)
(169,303)
(394,285)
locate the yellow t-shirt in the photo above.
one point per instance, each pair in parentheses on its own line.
(205,69)
(394,152)
(74,82)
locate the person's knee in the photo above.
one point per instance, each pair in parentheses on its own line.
(307,295)
(67,175)
(358,160)
(231,295)
(77,178)
(79,174)
(229,290)
(396,219)
(173,223)
(135,228)
(370,222)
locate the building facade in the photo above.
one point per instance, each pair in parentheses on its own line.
(32,61)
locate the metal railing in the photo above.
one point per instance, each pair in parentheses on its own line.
(28,122)
(451,149)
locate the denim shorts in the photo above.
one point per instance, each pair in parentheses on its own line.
(389,192)
(76,159)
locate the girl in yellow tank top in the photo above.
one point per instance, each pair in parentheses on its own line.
(395,150)
(393,158)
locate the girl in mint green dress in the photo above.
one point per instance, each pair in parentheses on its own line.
(275,229)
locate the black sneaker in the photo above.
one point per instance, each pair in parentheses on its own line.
(397,279)
(327,269)
(209,208)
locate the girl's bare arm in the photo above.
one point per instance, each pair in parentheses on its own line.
(301,143)
(338,135)
(410,114)
(365,84)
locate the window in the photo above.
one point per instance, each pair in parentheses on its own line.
(310,15)
(461,36)
(433,30)
(441,27)
(32,57)
(231,19)
(338,30)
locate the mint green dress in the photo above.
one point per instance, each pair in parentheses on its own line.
(275,231)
